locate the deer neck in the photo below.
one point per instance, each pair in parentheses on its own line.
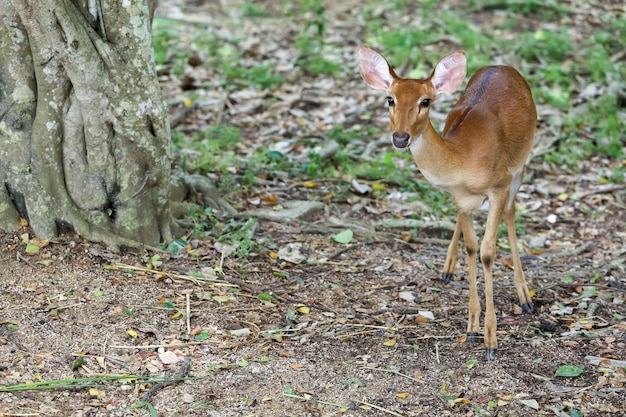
(435,158)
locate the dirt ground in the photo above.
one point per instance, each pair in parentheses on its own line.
(365,328)
(344,332)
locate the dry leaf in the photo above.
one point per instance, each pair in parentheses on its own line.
(168,357)
(390,342)
(96,393)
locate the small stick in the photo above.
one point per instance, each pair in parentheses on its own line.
(384,410)
(188,314)
(391,371)
(182,371)
(104,353)
(174,346)
(20,257)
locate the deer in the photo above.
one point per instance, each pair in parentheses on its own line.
(480,155)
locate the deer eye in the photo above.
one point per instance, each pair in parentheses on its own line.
(391,101)
(425,102)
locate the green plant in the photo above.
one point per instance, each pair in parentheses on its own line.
(543,45)
(213,149)
(165,35)
(263,76)
(252,9)
(546,10)
(310,42)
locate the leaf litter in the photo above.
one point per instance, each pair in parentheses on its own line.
(340,326)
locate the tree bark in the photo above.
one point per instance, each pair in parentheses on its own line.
(84,133)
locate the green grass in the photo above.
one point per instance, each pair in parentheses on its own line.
(555,58)
(548,57)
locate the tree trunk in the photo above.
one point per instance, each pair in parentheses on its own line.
(84,133)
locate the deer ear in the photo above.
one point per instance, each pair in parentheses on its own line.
(374,69)
(449,72)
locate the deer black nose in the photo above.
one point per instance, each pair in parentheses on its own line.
(400,140)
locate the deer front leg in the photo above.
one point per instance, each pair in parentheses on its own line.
(464,222)
(453,249)
(487,256)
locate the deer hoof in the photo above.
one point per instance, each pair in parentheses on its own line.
(490,354)
(472,336)
(528,307)
(447,277)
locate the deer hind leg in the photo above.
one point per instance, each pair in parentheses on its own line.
(520,282)
(464,224)
(453,249)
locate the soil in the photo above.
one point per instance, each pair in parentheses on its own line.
(365,328)
(346,332)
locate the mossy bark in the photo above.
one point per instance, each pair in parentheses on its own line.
(84,133)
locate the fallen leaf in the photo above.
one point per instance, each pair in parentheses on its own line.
(471,363)
(360,188)
(343,237)
(77,363)
(31,248)
(96,393)
(240,332)
(101,362)
(225,249)
(569,370)
(168,357)
(390,342)
(291,253)
(421,319)
(406,296)
(304,309)
(530,403)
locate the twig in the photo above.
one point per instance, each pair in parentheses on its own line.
(391,371)
(241,284)
(214,281)
(602,190)
(384,410)
(575,252)
(347,248)
(104,351)
(182,372)
(6,332)
(188,314)
(174,346)
(20,257)
(299,397)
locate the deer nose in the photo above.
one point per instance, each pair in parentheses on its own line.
(400,140)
